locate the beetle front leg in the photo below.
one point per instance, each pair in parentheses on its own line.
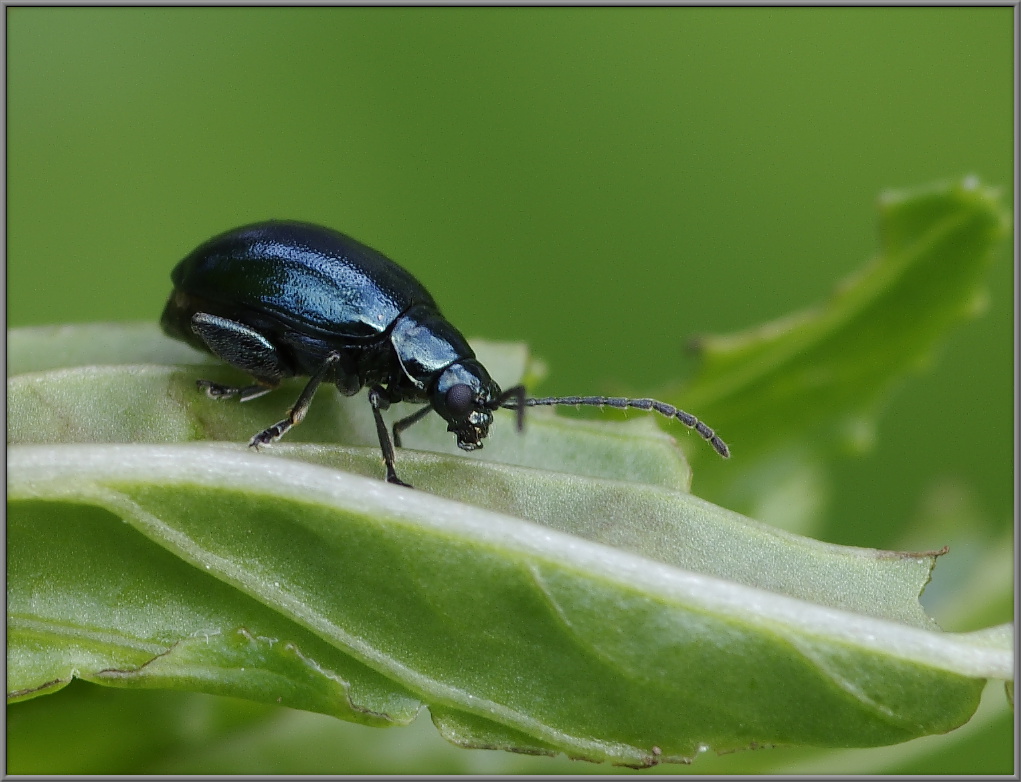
(379,402)
(297,413)
(404,423)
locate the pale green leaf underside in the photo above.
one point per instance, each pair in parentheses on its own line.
(327,590)
(288,582)
(559,591)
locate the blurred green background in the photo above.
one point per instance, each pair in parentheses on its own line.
(599,183)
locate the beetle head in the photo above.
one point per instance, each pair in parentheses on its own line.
(465,395)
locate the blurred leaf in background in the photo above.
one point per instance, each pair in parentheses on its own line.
(600,184)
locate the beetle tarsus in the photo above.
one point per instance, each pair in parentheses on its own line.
(216,390)
(273,433)
(244,393)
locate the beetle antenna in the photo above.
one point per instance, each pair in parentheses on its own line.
(622,403)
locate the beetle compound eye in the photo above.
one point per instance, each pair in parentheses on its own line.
(460,399)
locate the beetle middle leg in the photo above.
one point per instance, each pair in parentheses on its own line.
(379,402)
(297,413)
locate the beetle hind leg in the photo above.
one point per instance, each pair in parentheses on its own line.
(243,347)
(244,393)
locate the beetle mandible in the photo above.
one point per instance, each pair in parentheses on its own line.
(281,299)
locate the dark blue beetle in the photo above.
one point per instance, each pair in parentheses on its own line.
(282,299)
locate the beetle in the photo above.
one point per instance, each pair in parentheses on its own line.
(282,298)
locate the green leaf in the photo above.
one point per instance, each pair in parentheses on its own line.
(783,393)
(560,591)
(831,367)
(288,582)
